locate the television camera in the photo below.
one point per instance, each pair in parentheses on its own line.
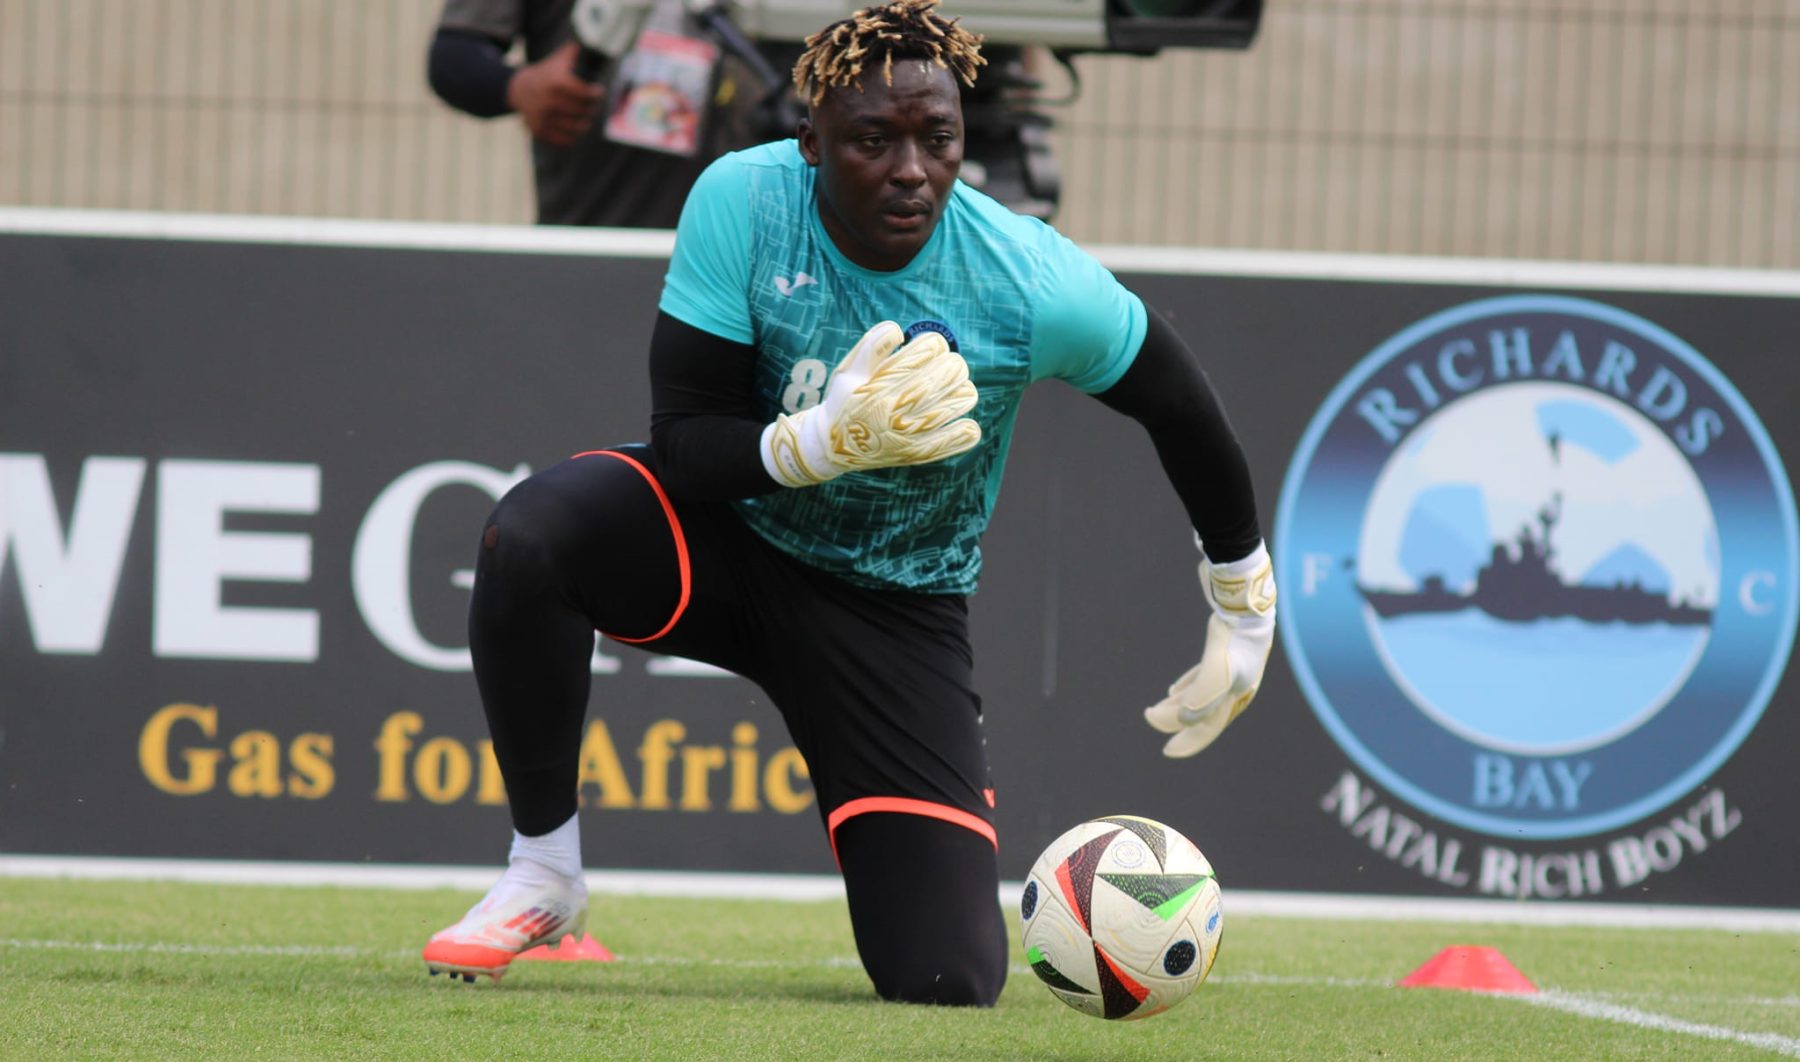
(1007,151)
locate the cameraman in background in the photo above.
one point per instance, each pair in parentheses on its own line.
(582,176)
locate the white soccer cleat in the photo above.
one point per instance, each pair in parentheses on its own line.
(528,906)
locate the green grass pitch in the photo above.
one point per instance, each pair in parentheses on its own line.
(92,969)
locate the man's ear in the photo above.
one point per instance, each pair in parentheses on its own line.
(808,135)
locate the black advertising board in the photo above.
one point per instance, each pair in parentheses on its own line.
(1534,534)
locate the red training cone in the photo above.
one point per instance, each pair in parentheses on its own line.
(587,949)
(1472,969)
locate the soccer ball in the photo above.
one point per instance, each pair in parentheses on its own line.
(1122,917)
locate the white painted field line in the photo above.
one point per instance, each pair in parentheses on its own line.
(1589,1007)
(305,951)
(1789,1002)
(1510,912)
(350,952)
(156,947)
(804,887)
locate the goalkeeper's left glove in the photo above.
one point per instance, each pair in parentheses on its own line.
(1239,635)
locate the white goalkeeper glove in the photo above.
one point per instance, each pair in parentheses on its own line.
(1239,635)
(882,407)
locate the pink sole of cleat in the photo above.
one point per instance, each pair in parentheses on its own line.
(466,961)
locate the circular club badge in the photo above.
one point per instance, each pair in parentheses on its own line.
(1537,560)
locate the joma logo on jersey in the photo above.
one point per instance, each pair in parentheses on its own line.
(1540,564)
(788,287)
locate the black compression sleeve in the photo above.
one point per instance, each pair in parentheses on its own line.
(707,439)
(469,72)
(1167,392)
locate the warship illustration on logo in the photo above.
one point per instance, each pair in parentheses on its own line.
(1520,583)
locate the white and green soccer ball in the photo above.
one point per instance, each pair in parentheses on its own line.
(1122,917)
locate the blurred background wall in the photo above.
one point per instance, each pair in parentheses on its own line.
(1660,131)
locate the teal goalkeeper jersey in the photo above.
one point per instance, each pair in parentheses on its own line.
(1020,302)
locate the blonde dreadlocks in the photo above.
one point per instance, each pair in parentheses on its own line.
(837,55)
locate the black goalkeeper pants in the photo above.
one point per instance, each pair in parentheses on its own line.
(875,688)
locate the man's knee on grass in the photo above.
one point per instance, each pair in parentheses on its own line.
(925,909)
(957,981)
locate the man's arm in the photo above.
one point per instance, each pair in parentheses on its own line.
(468,70)
(703,431)
(1167,392)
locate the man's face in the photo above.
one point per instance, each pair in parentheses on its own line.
(887,158)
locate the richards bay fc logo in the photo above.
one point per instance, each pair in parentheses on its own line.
(1538,562)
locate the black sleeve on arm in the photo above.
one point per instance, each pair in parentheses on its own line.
(707,440)
(1167,392)
(468,71)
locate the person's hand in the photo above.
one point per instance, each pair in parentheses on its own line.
(1239,635)
(556,106)
(884,405)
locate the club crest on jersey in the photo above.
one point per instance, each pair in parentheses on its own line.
(1538,566)
(917,328)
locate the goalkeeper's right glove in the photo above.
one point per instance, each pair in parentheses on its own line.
(882,407)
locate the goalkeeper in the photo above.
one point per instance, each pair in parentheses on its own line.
(844,335)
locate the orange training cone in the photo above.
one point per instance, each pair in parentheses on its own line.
(587,949)
(1473,969)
